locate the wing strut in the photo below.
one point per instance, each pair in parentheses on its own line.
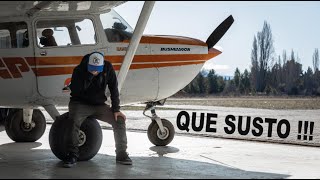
(134,42)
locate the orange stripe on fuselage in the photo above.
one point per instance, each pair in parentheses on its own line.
(53,71)
(151,61)
(160,39)
(118,59)
(50,71)
(68,63)
(66,60)
(163,58)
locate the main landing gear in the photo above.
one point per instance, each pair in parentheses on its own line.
(90,138)
(160,131)
(24,125)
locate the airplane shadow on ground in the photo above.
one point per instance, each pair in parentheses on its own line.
(28,160)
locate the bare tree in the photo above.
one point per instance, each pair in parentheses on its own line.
(245,82)
(279,72)
(308,81)
(293,74)
(316,76)
(262,55)
(284,57)
(254,63)
(237,77)
(315,60)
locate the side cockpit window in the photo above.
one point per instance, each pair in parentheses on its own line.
(115,27)
(65,32)
(13,35)
(5,40)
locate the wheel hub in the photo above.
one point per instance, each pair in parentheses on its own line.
(164,135)
(82,138)
(27,126)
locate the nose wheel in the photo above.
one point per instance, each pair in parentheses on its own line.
(160,131)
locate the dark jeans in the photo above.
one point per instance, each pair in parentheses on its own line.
(79,111)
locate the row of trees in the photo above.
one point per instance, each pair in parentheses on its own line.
(267,75)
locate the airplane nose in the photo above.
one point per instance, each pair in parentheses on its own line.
(213,52)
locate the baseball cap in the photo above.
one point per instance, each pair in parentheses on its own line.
(96,62)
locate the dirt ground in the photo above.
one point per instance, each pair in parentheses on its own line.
(251,102)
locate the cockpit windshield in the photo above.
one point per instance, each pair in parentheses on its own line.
(115,27)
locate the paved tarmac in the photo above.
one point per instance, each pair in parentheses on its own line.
(185,157)
(301,127)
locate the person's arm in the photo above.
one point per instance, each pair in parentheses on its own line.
(113,87)
(77,83)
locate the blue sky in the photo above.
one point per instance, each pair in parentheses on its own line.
(294,25)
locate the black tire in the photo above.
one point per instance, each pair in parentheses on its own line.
(90,127)
(154,130)
(16,130)
(3,115)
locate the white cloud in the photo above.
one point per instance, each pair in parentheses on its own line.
(211,65)
(221,69)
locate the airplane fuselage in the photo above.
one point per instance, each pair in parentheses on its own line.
(38,75)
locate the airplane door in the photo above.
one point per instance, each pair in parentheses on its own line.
(17,79)
(141,83)
(61,44)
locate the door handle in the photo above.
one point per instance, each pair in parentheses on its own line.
(43,53)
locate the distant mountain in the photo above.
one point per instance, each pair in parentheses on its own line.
(205,73)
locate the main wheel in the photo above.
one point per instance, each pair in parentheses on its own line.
(20,131)
(3,115)
(90,137)
(161,139)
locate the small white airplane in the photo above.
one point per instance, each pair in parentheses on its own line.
(41,42)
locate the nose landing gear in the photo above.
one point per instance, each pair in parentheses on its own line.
(160,131)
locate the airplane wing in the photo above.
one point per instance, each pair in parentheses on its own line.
(22,8)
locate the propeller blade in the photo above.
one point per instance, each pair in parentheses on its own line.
(217,34)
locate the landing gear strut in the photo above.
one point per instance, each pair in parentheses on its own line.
(25,129)
(160,131)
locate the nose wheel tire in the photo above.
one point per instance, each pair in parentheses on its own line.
(161,139)
(90,138)
(19,131)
